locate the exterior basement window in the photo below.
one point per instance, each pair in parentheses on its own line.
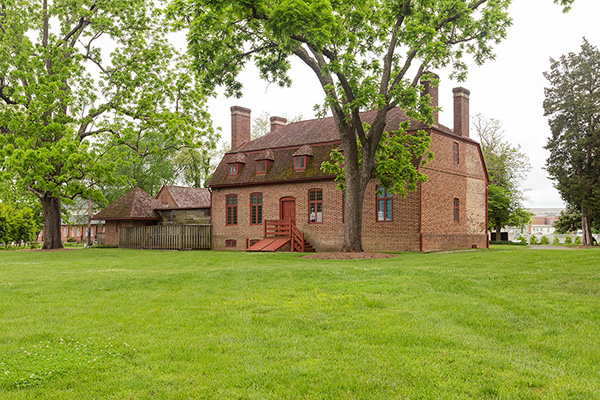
(232,209)
(455,155)
(230,243)
(233,169)
(299,163)
(261,167)
(456,210)
(256,204)
(315,206)
(384,205)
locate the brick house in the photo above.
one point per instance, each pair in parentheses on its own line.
(278,176)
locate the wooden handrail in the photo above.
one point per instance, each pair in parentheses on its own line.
(297,239)
(285,228)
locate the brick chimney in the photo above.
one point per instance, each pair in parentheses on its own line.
(277,122)
(240,126)
(429,89)
(461,111)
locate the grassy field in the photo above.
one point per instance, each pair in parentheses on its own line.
(506,323)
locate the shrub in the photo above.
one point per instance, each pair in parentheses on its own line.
(533,240)
(568,240)
(556,241)
(544,240)
(522,240)
(577,240)
(70,239)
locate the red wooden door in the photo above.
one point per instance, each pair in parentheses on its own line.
(287,209)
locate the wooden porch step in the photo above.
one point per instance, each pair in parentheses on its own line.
(308,247)
(269,244)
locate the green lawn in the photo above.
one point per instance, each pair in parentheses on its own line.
(506,323)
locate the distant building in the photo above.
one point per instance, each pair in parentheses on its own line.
(542,222)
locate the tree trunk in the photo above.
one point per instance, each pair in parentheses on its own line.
(353,212)
(89,224)
(586,227)
(498,232)
(52,222)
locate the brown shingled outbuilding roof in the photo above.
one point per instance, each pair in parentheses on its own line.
(135,204)
(188,197)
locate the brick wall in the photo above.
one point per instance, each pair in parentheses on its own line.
(400,234)
(448,180)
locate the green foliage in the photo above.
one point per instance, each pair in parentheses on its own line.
(533,240)
(17,224)
(507,167)
(506,164)
(577,240)
(71,112)
(569,221)
(568,240)
(572,104)
(556,241)
(544,240)
(395,169)
(522,239)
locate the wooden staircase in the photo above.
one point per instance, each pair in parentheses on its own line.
(278,233)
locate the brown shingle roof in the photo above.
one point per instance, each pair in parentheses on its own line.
(135,204)
(305,150)
(189,197)
(266,155)
(324,130)
(322,136)
(281,170)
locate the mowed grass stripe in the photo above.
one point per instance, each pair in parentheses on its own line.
(509,322)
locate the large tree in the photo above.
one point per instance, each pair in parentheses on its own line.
(507,166)
(573,106)
(74,74)
(365,54)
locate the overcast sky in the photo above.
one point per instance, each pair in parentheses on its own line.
(509,89)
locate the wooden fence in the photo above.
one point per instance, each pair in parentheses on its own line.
(166,237)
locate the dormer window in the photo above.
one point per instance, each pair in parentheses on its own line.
(233,169)
(261,167)
(302,157)
(299,163)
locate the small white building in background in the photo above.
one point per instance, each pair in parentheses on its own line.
(542,222)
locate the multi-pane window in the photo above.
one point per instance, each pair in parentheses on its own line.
(230,243)
(456,210)
(299,163)
(261,167)
(455,156)
(232,209)
(256,207)
(384,204)
(315,206)
(233,169)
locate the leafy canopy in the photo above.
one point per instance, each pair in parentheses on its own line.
(79,78)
